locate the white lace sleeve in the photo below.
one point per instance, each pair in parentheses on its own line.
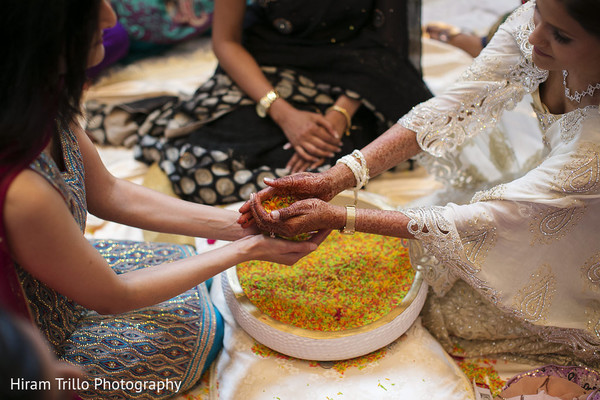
(530,246)
(497,80)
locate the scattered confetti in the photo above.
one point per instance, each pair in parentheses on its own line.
(480,370)
(340,366)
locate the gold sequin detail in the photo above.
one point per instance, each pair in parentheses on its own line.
(553,224)
(593,315)
(478,240)
(591,272)
(582,174)
(533,301)
(495,193)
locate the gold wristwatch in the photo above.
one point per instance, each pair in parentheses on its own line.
(263,105)
(350,226)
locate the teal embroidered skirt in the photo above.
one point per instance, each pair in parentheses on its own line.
(154,352)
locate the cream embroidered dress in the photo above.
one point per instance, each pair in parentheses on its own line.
(517,270)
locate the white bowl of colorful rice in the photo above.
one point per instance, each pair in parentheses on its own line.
(352,296)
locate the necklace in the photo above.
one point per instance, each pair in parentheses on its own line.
(577,96)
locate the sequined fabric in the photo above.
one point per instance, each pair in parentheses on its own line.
(172,340)
(468,325)
(514,269)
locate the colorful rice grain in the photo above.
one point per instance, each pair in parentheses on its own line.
(348,282)
(480,370)
(339,366)
(277,202)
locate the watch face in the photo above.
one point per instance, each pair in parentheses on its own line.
(260,110)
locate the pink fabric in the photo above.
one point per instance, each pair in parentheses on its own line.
(11,293)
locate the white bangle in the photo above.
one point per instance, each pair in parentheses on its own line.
(360,170)
(354,166)
(363,164)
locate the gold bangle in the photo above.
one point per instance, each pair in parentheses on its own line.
(344,112)
(265,102)
(350,226)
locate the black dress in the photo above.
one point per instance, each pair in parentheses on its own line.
(213,146)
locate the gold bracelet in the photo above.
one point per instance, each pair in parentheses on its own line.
(265,102)
(350,226)
(344,112)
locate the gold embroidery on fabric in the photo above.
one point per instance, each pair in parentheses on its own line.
(533,301)
(478,240)
(583,343)
(582,174)
(468,269)
(592,314)
(525,7)
(526,73)
(591,271)
(477,112)
(570,124)
(495,193)
(554,223)
(545,121)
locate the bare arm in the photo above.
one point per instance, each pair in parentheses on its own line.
(127,203)
(45,240)
(314,214)
(311,134)
(234,58)
(397,144)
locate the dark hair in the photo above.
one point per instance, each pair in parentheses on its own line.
(19,359)
(586,12)
(45,52)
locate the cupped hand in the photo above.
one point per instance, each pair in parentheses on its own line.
(303,216)
(283,251)
(302,185)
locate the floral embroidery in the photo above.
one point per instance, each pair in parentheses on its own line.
(439,238)
(477,112)
(436,273)
(554,223)
(517,13)
(533,301)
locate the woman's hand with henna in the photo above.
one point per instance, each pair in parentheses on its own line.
(310,134)
(298,164)
(302,185)
(303,216)
(281,251)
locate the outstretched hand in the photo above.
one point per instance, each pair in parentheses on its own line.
(303,216)
(302,186)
